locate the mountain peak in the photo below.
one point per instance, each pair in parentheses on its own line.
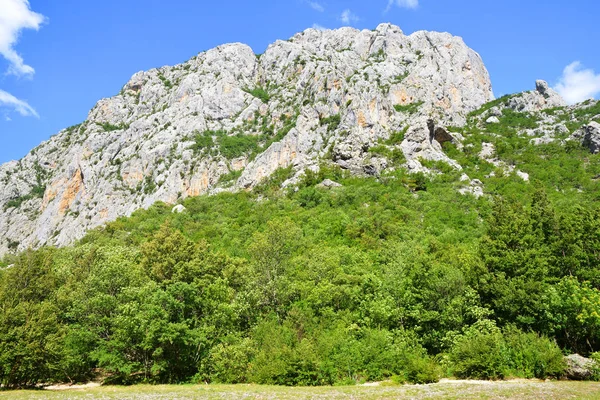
(226,119)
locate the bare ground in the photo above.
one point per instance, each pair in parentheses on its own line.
(446,389)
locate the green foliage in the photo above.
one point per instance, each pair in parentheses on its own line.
(332,122)
(496,355)
(596,369)
(168,84)
(231,176)
(229,146)
(397,137)
(287,127)
(532,356)
(410,108)
(203,142)
(391,277)
(237,145)
(380,56)
(108,127)
(36,192)
(149,185)
(272,184)
(259,93)
(229,360)
(512,121)
(439,166)
(399,78)
(494,103)
(394,154)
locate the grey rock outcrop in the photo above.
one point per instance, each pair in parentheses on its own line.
(474,188)
(541,98)
(589,136)
(328,184)
(173,132)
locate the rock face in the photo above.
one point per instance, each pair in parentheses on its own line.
(580,368)
(227,118)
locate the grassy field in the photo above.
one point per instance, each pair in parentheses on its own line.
(444,390)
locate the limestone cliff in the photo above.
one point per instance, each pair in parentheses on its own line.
(227,118)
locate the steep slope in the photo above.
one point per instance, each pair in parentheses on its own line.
(227,118)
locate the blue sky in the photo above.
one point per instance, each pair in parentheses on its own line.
(57,58)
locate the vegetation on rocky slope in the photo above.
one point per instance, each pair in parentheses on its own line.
(396,276)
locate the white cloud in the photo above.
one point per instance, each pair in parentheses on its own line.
(412,4)
(315,5)
(578,84)
(14,17)
(20,106)
(348,17)
(319,27)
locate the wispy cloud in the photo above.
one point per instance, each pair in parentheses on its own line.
(319,27)
(578,84)
(16,16)
(315,5)
(348,17)
(412,4)
(7,100)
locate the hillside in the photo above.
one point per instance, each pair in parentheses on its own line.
(484,267)
(285,220)
(228,118)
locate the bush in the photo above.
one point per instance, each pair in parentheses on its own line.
(332,122)
(108,127)
(410,108)
(421,369)
(596,369)
(513,353)
(229,361)
(230,146)
(533,356)
(259,93)
(479,356)
(397,355)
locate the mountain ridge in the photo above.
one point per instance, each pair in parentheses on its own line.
(227,119)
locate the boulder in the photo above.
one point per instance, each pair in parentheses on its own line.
(523,175)
(591,137)
(580,368)
(475,188)
(492,120)
(328,184)
(178,209)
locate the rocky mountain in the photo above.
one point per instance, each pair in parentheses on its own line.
(228,118)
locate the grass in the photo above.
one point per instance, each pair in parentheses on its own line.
(519,389)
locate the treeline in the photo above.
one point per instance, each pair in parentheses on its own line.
(370,281)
